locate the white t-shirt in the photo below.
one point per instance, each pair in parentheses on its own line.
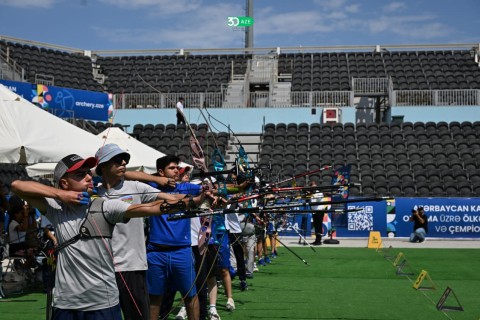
(195,227)
(128,239)
(180,107)
(14,235)
(232,223)
(85,275)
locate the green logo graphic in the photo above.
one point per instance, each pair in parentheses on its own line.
(240,21)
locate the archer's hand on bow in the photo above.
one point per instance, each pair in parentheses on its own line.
(198,200)
(165,182)
(74,197)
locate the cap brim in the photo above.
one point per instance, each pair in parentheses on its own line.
(109,157)
(113,154)
(89,162)
(184,170)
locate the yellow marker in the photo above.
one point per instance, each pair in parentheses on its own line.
(374,240)
(424,274)
(398,258)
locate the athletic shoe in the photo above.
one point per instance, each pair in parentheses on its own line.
(267,259)
(261,262)
(214,314)
(424,239)
(316,243)
(182,314)
(243,285)
(230,304)
(249,275)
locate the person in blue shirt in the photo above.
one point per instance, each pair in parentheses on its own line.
(169,255)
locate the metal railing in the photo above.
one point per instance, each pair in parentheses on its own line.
(370,85)
(466,97)
(258,100)
(44,79)
(214,100)
(166,100)
(9,69)
(321,98)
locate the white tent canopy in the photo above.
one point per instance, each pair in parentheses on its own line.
(142,157)
(31,135)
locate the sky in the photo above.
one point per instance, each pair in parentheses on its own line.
(171,24)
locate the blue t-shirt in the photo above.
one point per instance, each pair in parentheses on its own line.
(177,232)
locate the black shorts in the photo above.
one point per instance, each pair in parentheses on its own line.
(260,234)
(133,284)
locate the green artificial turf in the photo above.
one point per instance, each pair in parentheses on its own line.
(338,283)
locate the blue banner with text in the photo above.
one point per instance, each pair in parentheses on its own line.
(65,102)
(447,217)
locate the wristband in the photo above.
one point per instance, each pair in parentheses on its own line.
(191,204)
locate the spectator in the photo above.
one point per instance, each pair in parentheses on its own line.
(3,206)
(18,229)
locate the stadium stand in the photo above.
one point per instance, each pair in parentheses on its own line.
(399,159)
(411,168)
(53,67)
(213,73)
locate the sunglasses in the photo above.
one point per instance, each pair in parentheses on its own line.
(119,159)
(80,174)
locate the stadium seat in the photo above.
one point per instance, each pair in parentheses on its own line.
(408,189)
(450,188)
(394,189)
(465,189)
(423,189)
(269,128)
(434,175)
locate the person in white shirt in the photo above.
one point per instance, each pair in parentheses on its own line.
(180,115)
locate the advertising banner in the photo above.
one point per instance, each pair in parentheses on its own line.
(447,217)
(65,102)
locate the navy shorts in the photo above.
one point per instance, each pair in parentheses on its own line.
(113,313)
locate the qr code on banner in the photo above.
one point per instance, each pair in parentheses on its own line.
(360,220)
